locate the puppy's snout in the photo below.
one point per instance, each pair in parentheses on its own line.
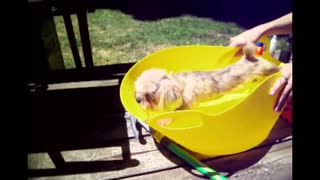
(138,99)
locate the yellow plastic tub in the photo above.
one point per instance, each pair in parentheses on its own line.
(236,122)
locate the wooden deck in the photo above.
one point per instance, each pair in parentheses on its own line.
(92,147)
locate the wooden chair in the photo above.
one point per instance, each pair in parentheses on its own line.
(52,124)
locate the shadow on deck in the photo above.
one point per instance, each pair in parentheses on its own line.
(81,118)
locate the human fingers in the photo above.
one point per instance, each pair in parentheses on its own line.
(279,83)
(284,96)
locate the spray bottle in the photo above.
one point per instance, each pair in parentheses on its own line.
(273,45)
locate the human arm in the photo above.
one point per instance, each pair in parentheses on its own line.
(281,25)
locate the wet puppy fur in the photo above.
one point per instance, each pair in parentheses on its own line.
(155,89)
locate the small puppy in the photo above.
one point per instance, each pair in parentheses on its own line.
(155,89)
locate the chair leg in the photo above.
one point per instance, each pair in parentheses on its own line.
(57,159)
(85,38)
(72,40)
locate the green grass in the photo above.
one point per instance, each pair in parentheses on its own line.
(118,38)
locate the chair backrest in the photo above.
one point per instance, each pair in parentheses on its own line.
(85,38)
(47,54)
(49,65)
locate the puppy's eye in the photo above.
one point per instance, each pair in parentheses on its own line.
(138,99)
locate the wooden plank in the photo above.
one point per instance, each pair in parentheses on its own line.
(51,44)
(153,158)
(276,164)
(115,71)
(85,37)
(60,7)
(154,164)
(38,64)
(83,84)
(72,40)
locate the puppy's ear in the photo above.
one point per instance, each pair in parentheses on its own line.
(169,95)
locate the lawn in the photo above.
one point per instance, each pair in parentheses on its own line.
(119,38)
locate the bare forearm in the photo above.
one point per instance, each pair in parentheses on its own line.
(282,25)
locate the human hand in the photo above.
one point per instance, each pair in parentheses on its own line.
(251,35)
(284,85)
